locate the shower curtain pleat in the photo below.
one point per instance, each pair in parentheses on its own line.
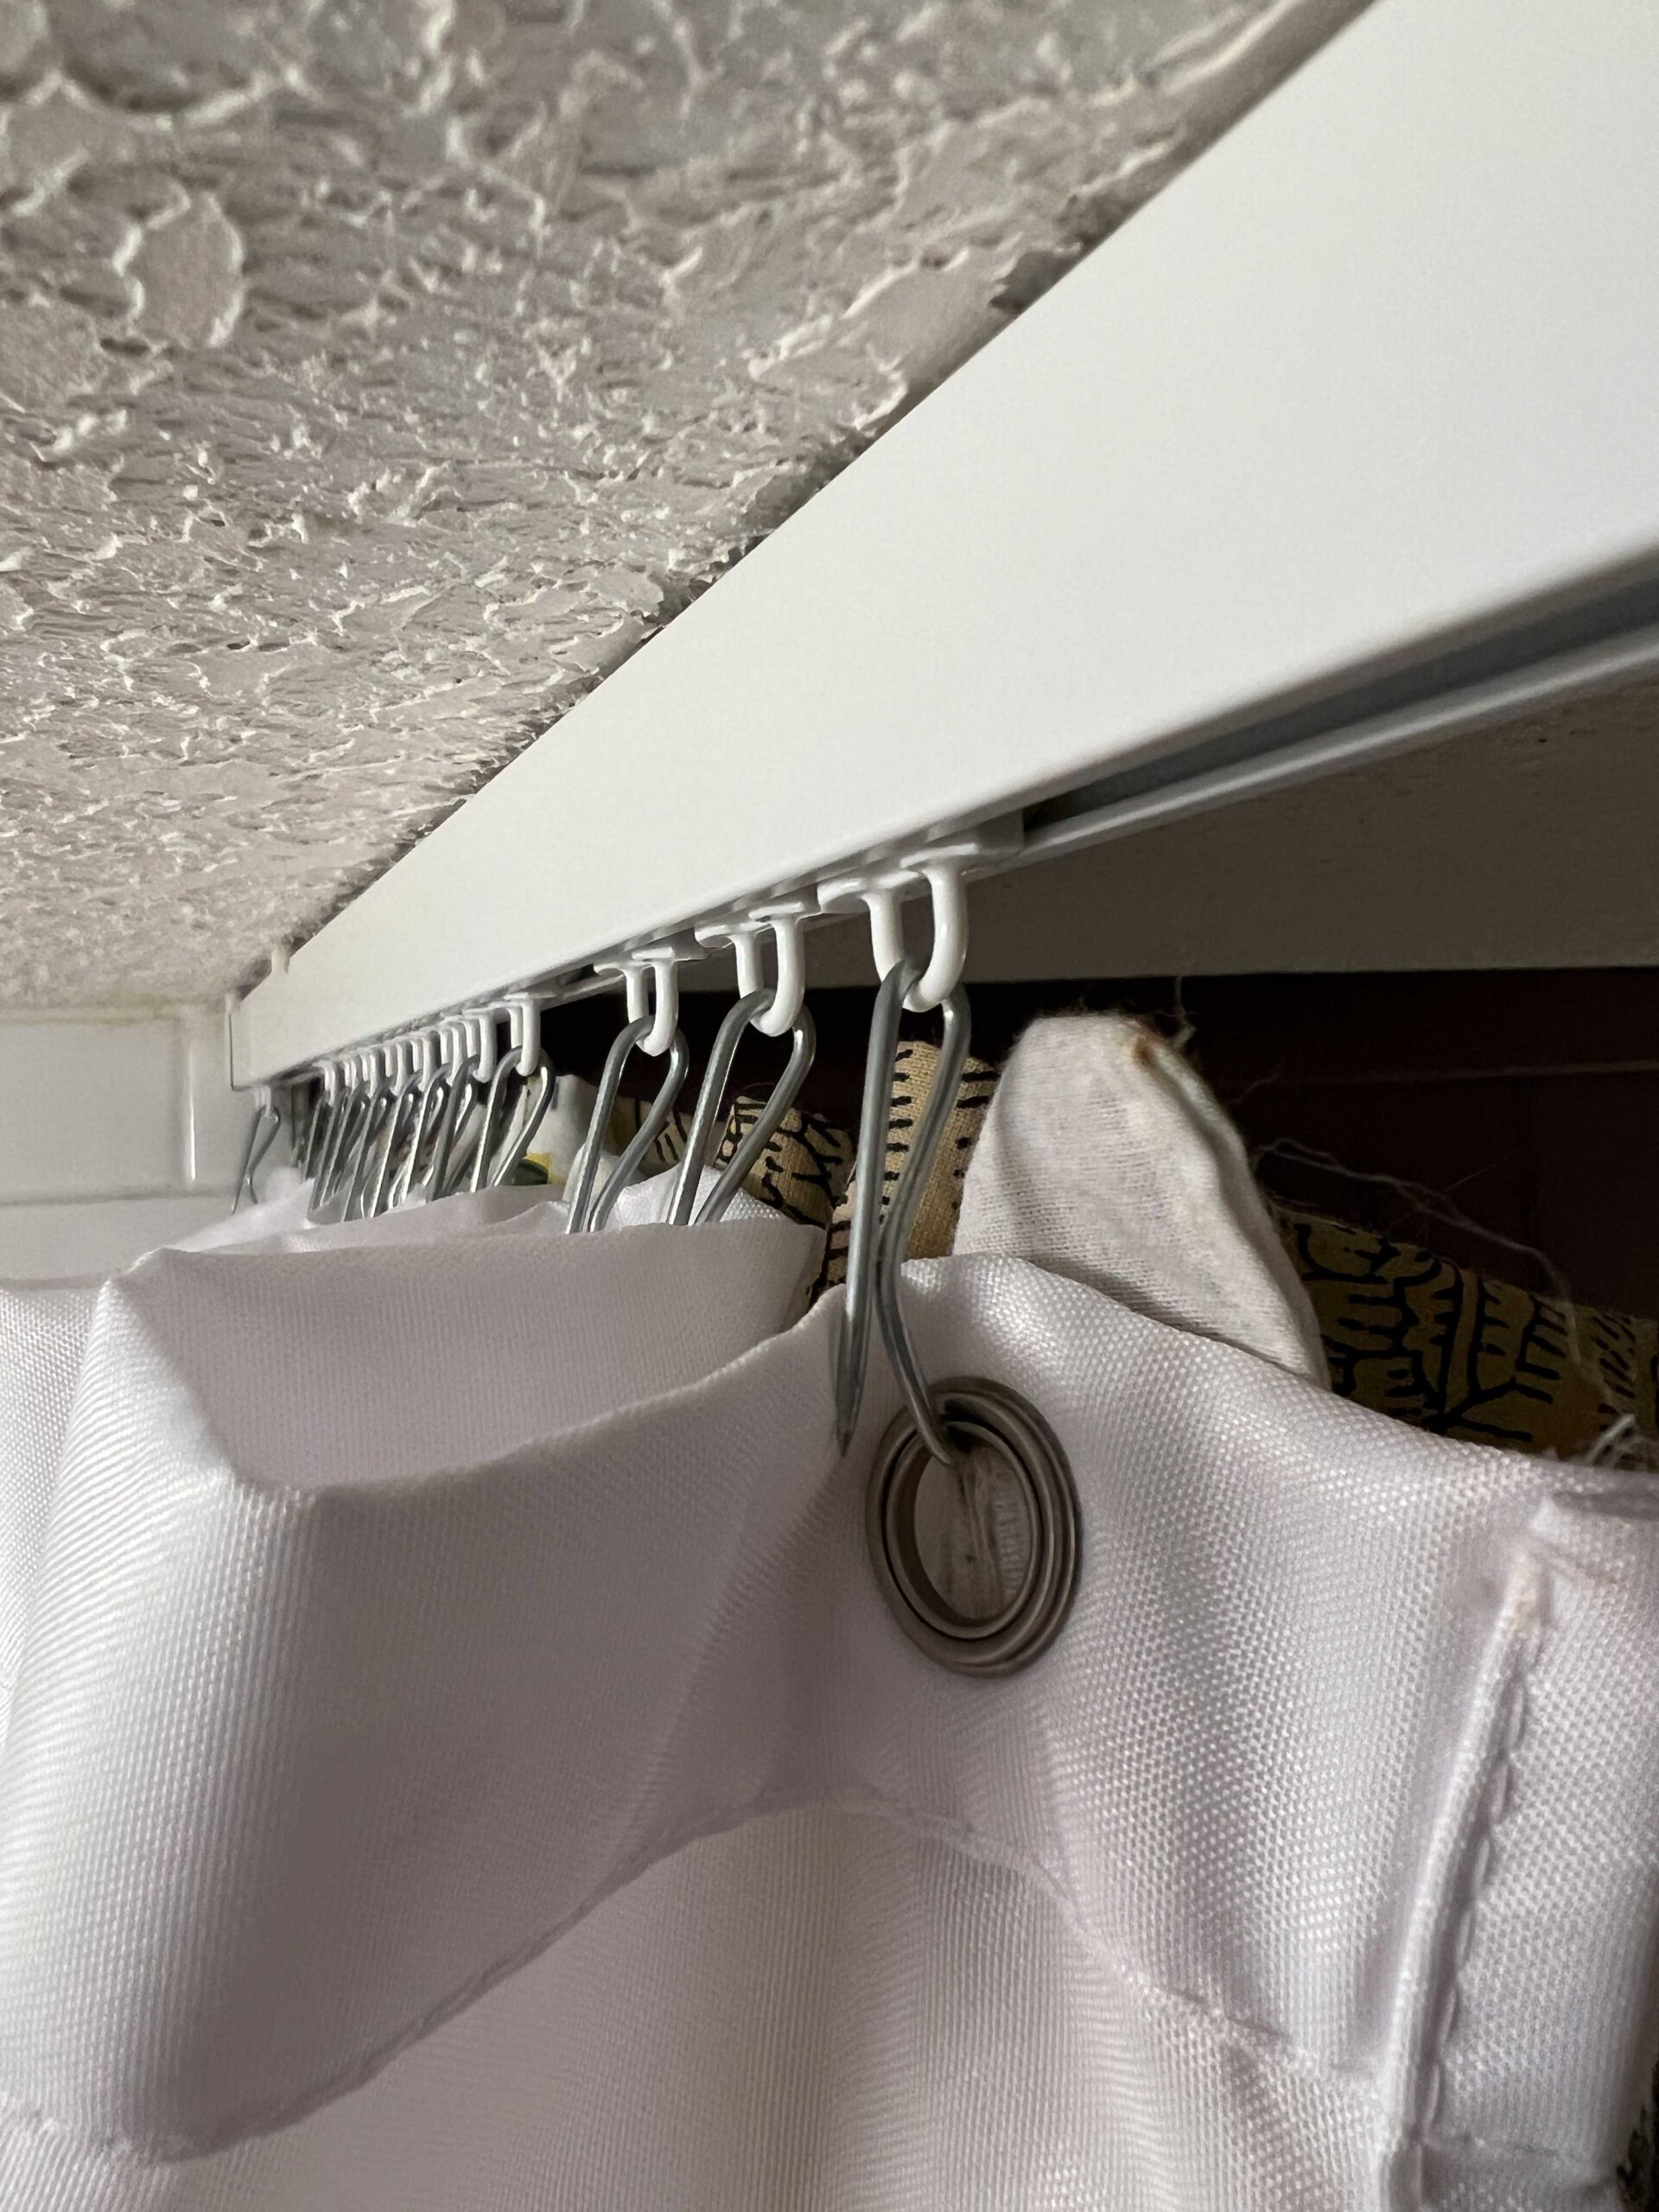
(463,1756)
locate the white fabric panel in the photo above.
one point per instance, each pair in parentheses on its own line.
(283,1209)
(44,1330)
(1104,1156)
(44,1327)
(569,1824)
(463,1756)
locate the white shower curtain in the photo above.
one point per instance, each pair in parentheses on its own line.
(462,1757)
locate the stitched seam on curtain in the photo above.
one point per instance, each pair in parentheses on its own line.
(1264,2043)
(1456,1880)
(1482,1858)
(1267,2044)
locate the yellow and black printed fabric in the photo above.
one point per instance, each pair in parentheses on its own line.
(1444,1348)
(935,1227)
(802,1173)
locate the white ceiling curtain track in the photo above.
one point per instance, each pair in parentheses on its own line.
(1349,439)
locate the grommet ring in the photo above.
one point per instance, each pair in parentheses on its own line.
(995,1615)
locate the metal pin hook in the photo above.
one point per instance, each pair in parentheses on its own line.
(405,1094)
(803,1041)
(262,1134)
(533,1103)
(433,1093)
(579,1191)
(879,1239)
(776,1012)
(460,1078)
(383,1099)
(585,1211)
(711,1098)
(344,1110)
(324,1116)
(650,1128)
(485,1149)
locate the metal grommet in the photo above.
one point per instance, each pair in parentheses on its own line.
(977,1561)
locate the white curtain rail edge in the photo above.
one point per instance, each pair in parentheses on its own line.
(1367,389)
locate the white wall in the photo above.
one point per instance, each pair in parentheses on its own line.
(117,1132)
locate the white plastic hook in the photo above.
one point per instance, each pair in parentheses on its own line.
(661,1006)
(744,938)
(480,1036)
(942,873)
(636,993)
(942,866)
(521,1012)
(782,918)
(665,978)
(525,1032)
(881,889)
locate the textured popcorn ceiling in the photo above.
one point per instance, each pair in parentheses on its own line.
(375,374)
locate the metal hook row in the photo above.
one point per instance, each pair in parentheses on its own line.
(652,1028)
(649,971)
(406,1092)
(387,1124)
(650,977)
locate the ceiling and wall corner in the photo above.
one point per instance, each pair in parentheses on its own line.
(376,374)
